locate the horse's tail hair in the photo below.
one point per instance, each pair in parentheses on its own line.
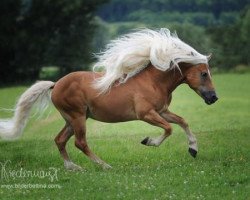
(38,94)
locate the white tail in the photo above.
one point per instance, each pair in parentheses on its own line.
(38,93)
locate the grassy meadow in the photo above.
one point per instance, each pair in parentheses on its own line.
(220,170)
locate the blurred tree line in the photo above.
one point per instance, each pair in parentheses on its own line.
(63,33)
(232,42)
(218,26)
(34,33)
(122,10)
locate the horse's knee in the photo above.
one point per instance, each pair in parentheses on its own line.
(60,144)
(81,144)
(184,124)
(62,138)
(57,141)
(168,130)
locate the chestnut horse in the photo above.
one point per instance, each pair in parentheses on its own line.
(142,94)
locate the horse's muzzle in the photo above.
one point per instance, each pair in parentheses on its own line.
(210,97)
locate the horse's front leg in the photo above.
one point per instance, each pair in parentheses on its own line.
(173,118)
(152,117)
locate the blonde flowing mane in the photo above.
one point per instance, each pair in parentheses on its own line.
(129,54)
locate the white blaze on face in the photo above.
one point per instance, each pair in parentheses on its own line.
(209,72)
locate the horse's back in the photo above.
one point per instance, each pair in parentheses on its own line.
(75,92)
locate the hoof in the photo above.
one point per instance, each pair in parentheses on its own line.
(192,152)
(145,141)
(106,166)
(70,166)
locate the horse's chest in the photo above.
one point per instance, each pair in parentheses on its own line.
(159,101)
(161,105)
(156,101)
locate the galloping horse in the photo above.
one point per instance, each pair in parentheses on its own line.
(140,72)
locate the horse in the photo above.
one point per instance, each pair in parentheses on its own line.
(140,70)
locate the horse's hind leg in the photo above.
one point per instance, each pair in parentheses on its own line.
(61,139)
(79,127)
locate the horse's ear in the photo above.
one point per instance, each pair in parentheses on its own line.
(209,56)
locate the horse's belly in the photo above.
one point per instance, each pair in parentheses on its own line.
(111,113)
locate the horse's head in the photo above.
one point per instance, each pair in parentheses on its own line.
(198,78)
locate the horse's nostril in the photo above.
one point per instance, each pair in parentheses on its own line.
(215,98)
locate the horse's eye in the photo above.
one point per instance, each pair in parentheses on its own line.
(204,74)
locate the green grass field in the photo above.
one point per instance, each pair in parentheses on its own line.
(220,171)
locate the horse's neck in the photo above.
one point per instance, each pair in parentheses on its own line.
(168,80)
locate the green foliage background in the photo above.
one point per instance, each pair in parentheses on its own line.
(221,27)
(42,33)
(36,33)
